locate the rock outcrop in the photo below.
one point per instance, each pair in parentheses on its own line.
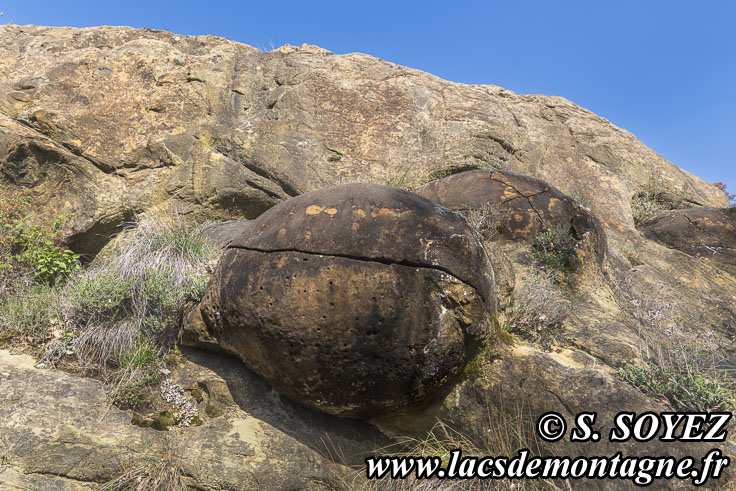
(107,122)
(356,300)
(58,431)
(104,123)
(709,233)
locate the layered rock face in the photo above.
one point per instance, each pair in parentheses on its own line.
(108,122)
(356,300)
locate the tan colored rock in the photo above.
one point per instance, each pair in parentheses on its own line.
(107,122)
(709,233)
(58,431)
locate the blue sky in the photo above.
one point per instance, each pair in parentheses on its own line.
(664,70)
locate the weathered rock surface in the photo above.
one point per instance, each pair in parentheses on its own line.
(701,232)
(356,300)
(58,431)
(107,122)
(223,233)
(522,206)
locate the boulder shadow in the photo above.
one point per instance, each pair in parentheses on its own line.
(341,440)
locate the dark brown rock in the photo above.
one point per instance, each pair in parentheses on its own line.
(702,232)
(356,300)
(523,205)
(223,233)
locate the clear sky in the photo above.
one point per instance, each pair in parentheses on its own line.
(664,70)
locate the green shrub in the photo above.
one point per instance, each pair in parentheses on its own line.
(99,298)
(33,247)
(554,248)
(120,313)
(686,390)
(127,303)
(142,356)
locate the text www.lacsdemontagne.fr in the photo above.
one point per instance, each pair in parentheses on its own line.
(640,470)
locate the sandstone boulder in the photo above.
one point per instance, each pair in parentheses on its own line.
(702,232)
(356,300)
(522,206)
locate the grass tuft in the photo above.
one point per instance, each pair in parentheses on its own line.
(506,431)
(162,472)
(120,313)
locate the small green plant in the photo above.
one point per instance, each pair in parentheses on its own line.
(29,246)
(554,248)
(399,178)
(28,314)
(118,315)
(143,355)
(133,394)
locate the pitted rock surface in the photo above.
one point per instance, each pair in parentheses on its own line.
(524,205)
(356,300)
(702,232)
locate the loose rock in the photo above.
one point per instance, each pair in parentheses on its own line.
(356,300)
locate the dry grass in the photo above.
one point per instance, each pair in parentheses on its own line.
(125,306)
(484,220)
(507,430)
(540,306)
(118,317)
(690,372)
(162,472)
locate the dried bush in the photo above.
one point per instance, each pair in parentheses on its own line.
(484,220)
(540,306)
(690,374)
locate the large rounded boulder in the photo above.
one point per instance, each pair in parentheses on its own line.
(355,300)
(523,206)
